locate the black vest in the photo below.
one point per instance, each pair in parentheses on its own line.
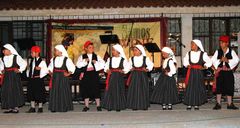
(14,64)
(34,72)
(167,68)
(143,65)
(200,61)
(94,57)
(120,64)
(228,56)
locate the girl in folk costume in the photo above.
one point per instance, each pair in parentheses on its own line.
(165,91)
(138,90)
(37,69)
(195,60)
(12,91)
(224,60)
(90,63)
(116,67)
(60,68)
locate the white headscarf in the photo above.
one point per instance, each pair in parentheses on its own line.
(170,52)
(199,44)
(141,48)
(119,48)
(62,49)
(11,49)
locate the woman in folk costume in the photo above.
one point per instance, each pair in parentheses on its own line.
(165,91)
(195,60)
(12,91)
(37,69)
(116,67)
(224,61)
(91,64)
(60,68)
(138,90)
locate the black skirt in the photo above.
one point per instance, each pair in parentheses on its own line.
(138,91)
(36,90)
(195,94)
(90,85)
(114,98)
(165,91)
(60,99)
(225,83)
(12,91)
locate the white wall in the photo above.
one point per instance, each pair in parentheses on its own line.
(186,13)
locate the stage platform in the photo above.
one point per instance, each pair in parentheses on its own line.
(155,117)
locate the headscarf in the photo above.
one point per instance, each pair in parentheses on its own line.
(11,49)
(62,49)
(170,53)
(119,48)
(141,48)
(199,44)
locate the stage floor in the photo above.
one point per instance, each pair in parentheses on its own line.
(155,117)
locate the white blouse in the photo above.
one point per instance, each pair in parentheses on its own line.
(115,64)
(138,62)
(99,65)
(195,56)
(59,62)
(8,61)
(42,65)
(171,66)
(232,62)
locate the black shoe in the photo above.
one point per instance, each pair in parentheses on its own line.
(134,109)
(217,107)
(99,109)
(164,107)
(196,108)
(15,111)
(189,108)
(40,110)
(31,110)
(170,107)
(232,107)
(85,109)
(118,110)
(8,111)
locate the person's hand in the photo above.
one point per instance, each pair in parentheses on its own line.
(94,61)
(145,70)
(224,59)
(66,74)
(108,71)
(87,60)
(38,68)
(17,71)
(166,73)
(50,73)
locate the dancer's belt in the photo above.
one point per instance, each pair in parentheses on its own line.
(2,75)
(189,72)
(134,69)
(109,75)
(55,70)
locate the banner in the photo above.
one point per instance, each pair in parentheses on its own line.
(128,34)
